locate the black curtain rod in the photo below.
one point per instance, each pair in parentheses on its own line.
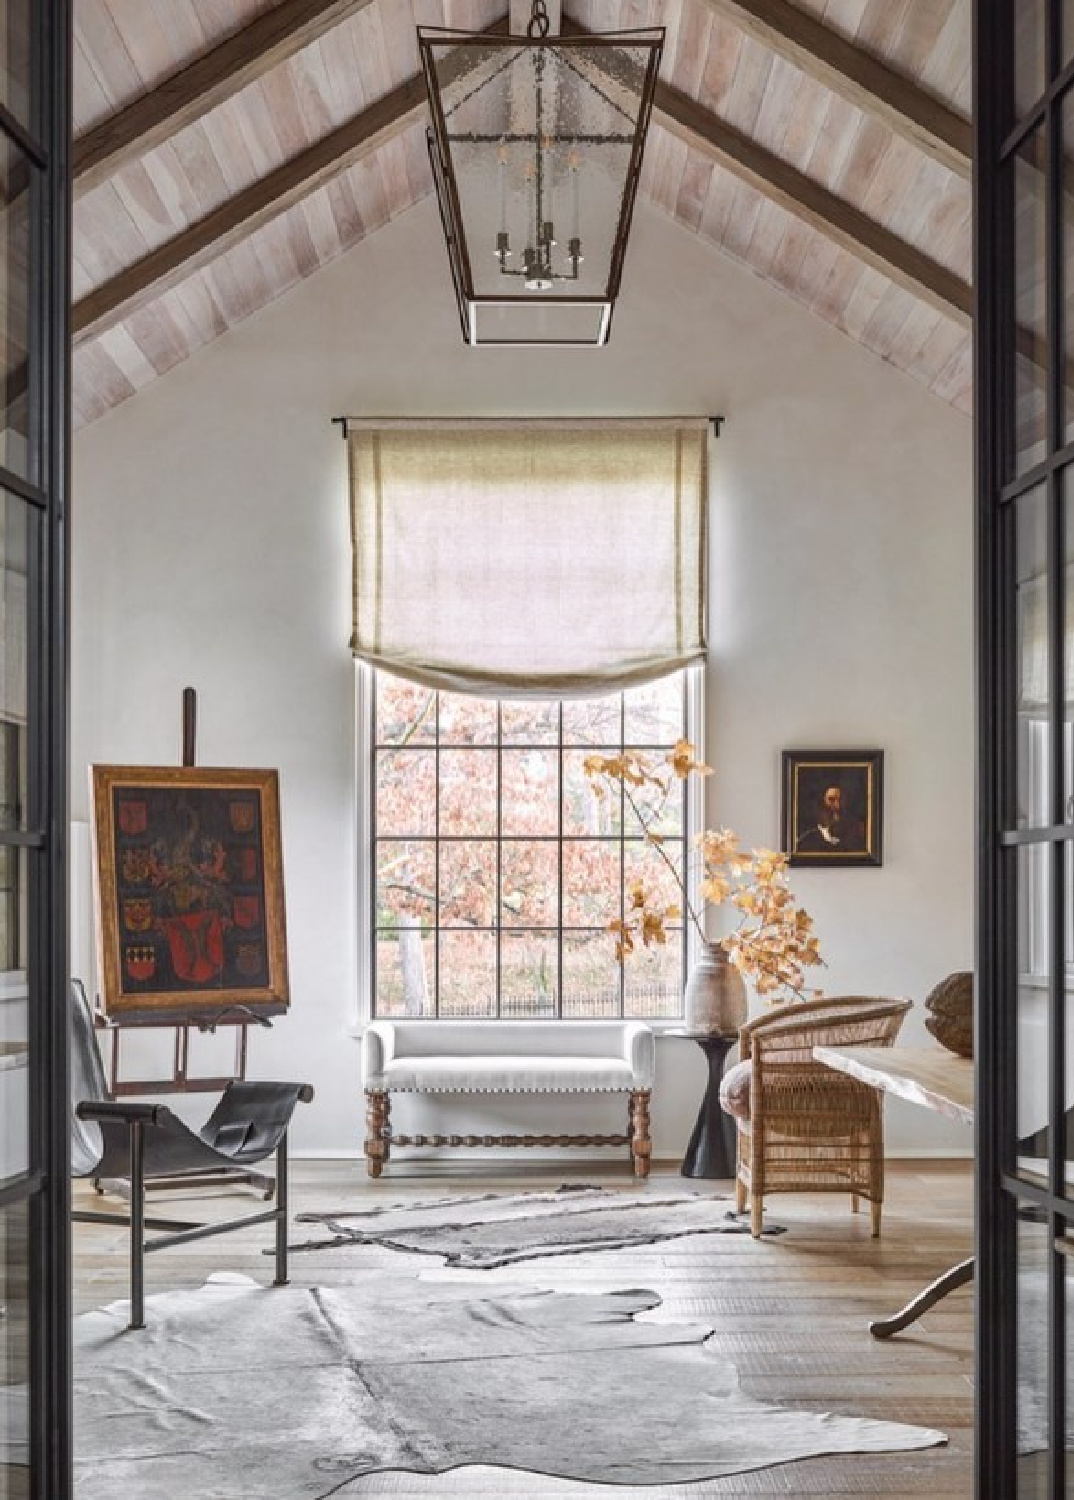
(341,423)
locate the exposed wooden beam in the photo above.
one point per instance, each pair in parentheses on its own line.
(245,214)
(857,76)
(268,40)
(809,200)
(255,206)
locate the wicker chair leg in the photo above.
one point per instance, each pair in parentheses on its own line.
(756,1210)
(740,1195)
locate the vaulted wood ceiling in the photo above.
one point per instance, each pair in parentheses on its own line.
(228,148)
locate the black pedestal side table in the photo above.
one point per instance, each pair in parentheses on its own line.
(712,1148)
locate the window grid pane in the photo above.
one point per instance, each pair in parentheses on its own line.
(497,876)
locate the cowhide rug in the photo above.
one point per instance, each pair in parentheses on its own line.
(236,1391)
(498,1229)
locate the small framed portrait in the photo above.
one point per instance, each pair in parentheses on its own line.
(833,807)
(189,888)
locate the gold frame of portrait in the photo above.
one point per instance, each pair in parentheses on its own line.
(180,1002)
(843,767)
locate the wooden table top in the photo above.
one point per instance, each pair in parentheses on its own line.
(929,1076)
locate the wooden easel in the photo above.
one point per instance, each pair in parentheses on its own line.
(181,1080)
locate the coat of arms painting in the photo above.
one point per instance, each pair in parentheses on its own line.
(190,912)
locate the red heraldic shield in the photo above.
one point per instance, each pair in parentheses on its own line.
(133,817)
(196,944)
(246,911)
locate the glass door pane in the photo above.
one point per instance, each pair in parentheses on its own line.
(15,59)
(1068,651)
(1029,53)
(1033,1321)
(14,308)
(1033,778)
(14,1353)
(1030,303)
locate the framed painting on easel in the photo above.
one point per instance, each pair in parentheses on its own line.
(189,893)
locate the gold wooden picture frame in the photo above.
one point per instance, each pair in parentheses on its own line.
(833,807)
(189,893)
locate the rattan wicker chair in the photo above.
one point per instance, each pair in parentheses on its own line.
(801,1126)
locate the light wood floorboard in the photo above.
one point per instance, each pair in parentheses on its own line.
(790,1312)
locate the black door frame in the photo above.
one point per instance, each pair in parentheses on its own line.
(1003,1197)
(41,140)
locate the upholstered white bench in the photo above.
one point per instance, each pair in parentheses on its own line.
(507,1057)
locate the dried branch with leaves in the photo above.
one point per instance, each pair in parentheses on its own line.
(773,943)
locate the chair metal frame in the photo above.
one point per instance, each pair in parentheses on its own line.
(147,1144)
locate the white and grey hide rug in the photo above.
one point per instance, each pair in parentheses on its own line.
(498,1229)
(238,1392)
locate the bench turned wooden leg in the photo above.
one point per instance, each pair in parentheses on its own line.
(641,1147)
(378,1107)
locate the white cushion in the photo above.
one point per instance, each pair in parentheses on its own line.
(508,1056)
(506,1075)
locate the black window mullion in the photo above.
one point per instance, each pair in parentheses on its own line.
(374,840)
(498,908)
(1056,403)
(561,864)
(436,863)
(560,746)
(621,976)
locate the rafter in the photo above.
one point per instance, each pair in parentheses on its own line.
(247,212)
(857,76)
(855,231)
(268,40)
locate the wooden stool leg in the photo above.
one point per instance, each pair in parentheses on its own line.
(875,1208)
(376,1116)
(641,1147)
(740,1196)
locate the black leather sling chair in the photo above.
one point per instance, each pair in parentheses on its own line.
(115,1138)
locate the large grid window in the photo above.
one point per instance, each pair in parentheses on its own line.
(497,869)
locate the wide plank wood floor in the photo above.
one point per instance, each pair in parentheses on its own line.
(790,1312)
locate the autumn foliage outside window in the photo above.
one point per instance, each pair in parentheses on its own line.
(497,871)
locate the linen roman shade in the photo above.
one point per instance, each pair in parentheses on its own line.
(519,559)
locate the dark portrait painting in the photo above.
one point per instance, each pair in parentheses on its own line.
(833,807)
(189,891)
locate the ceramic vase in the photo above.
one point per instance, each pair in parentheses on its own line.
(715,994)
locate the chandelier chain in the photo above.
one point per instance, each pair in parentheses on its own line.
(540,21)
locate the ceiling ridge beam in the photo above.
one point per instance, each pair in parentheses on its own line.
(856,75)
(809,200)
(190,93)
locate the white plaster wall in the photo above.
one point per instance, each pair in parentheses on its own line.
(210,547)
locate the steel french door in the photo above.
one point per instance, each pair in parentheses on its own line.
(35,51)
(1024,275)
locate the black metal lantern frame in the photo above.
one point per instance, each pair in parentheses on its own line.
(528,135)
